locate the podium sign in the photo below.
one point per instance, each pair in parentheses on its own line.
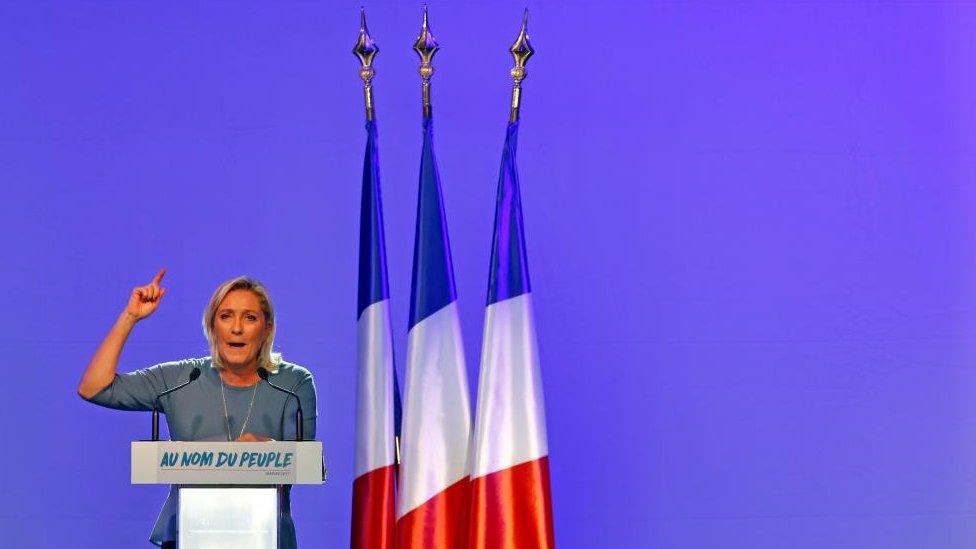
(228,463)
(228,498)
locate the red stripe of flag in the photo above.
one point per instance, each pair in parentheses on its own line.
(372,511)
(512,508)
(440,523)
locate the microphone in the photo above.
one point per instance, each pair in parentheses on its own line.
(194,374)
(299,424)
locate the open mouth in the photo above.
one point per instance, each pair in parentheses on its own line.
(236,345)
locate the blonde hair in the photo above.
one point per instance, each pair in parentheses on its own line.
(266,358)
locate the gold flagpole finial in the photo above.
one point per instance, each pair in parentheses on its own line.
(521,50)
(365,49)
(426,47)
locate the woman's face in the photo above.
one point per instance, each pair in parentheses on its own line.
(240,328)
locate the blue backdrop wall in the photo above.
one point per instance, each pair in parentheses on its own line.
(751,231)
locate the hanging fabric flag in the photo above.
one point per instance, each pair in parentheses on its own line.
(432,498)
(377,398)
(511,502)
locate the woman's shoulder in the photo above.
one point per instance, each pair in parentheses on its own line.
(185,365)
(292,373)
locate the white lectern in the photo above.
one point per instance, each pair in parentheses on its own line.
(228,491)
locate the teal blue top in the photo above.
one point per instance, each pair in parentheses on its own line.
(196,412)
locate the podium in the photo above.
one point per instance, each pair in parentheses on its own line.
(228,491)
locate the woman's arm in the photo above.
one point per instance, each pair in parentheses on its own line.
(306,391)
(100,373)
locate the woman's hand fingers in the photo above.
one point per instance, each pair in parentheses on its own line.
(154,291)
(145,299)
(159,277)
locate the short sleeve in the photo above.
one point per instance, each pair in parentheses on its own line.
(306,391)
(304,386)
(135,391)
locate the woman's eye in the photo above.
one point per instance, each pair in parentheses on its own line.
(224,316)
(252,318)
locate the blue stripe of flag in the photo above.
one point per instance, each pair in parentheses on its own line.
(373,284)
(509,271)
(433,272)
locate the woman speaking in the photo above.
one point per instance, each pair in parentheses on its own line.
(228,401)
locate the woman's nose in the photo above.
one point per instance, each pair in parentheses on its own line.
(237,327)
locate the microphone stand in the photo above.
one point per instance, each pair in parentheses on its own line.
(299,420)
(194,374)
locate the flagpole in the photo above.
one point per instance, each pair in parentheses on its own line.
(365,49)
(510,492)
(426,47)
(521,50)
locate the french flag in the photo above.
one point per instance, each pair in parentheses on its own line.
(511,502)
(377,394)
(432,499)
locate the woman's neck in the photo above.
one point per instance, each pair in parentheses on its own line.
(240,376)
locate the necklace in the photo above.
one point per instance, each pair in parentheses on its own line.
(247,418)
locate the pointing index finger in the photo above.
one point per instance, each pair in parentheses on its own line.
(159,277)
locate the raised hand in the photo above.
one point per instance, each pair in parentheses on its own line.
(100,372)
(144,300)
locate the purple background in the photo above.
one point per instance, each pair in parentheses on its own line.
(751,231)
